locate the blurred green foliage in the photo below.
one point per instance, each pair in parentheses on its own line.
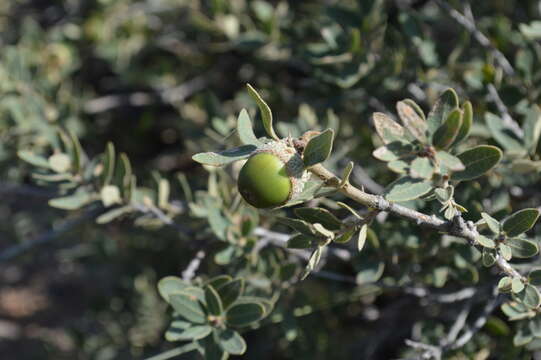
(165,79)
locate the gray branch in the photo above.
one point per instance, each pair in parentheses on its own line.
(142,98)
(469,24)
(19,249)
(506,117)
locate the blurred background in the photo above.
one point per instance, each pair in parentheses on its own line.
(164,79)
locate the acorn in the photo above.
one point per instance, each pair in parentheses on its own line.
(273,175)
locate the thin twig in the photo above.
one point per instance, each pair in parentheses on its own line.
(280,239)
(457,227)
(480,321)
(484,41)
(506,117)
(175,352)
(189,273)
(142,98)
(429,351)
(19,249)
(159,214)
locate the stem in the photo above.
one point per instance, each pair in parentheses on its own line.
(456,227)
(175,352)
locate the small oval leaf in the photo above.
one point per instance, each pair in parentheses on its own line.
(266,113)
(477,161)
(231,342)
(520,222)
(446,134)
(245,129)
(319,215)
(187,306)
(301,241)
(406,188)
(387,129)
(318,148)
(412,121)
(244,314)
(170,285)
(535,277)
(467,122)
(213,301)
(530,297)
(224,157)
(522,248)
(447,102)
(230,292)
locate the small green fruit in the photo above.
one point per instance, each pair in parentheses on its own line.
(263,181)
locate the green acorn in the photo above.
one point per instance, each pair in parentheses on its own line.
(272,176)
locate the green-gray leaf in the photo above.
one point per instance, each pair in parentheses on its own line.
(447,102)
(219,281)
(515,310)
(301,241)
(522,337)
(535,277)
(535,326)
(446,134)
(449,161)
(520,222)
(318,148)
(319,215)
(114,214)
(477,161)
(415,107)
(486,242)
(489,257)
(532,128)
(387,129)
(393,151)
(72,202)
(492,223)
(412,121)
(33,159)
(467,122)
(213,301)
(299,225)
(422,168)
(530,297)
(361,238)
(312,262)
(191,333)
(266,113)
(517,285)
(230,292)
(244,314)
(108,163)
(522,248)
(505,251)
(245,130)
(406,188)
(187,306)
(398,166)
(170,285)
(504,285)
(345,236)
(502,134)
(231,342)
(224,157)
